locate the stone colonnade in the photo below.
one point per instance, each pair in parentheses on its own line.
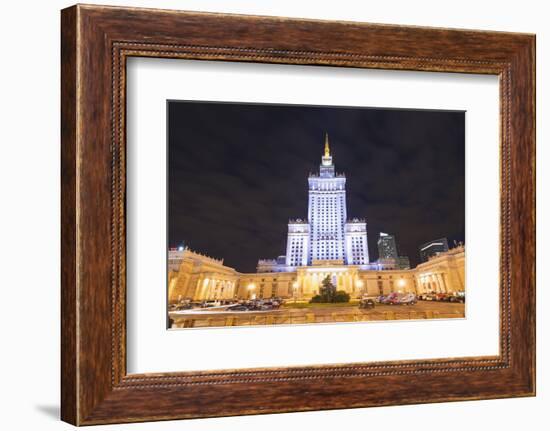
(200,279)
(212,286)
(309,280)
(433,283)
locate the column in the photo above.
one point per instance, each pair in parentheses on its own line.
(439,286)
(442,282)
(198,288)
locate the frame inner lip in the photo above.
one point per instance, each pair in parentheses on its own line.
(122,50)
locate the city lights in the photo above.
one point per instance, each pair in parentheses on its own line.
(323,270)
(327,246)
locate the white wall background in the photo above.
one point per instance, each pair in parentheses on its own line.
(29,216)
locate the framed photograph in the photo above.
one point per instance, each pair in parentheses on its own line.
(266,215)
(405,168)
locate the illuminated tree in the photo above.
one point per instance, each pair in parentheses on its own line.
(328,293)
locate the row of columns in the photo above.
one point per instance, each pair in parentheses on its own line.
(211,287)
(433,283)
(310,283)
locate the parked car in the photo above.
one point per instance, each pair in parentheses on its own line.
(380,299)
(395,298)
(238,307)
(270,305)
(367,302)
(457,297)
(430,297)
(182,305)
(442,297)
(390,299)
(408,299)
(277,302)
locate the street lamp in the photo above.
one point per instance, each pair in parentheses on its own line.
(250,288)
(359,285)
(401,283)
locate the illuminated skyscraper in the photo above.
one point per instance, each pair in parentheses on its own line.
(387,248)
(433,248)
(388,253)
(327,234)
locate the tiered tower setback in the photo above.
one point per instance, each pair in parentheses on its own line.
(326,235)
(327,211)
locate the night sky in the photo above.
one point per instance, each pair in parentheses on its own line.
(238,172)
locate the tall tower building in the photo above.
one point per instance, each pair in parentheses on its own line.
(433,248)
(326,234)
(387,248)
(388,254)
(297,244)
(357,252)
(327,211)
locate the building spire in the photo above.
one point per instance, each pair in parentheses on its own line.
(327,147)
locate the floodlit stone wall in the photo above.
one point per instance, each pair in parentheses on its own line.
(202,278)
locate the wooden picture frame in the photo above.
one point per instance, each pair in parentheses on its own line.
(95,43)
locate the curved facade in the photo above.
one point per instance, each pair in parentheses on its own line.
(202,278)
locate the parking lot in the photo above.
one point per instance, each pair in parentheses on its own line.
(301,313)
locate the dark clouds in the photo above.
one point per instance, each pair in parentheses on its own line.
(238,172)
